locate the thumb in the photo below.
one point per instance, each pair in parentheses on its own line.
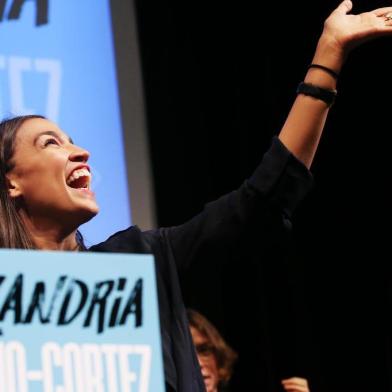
(344,7)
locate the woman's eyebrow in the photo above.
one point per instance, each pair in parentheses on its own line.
(52,133)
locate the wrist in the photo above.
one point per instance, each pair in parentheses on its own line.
(329,53)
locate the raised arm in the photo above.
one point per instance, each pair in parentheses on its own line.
(264,203)
(342,32)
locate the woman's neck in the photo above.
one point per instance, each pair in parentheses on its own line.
(48,243)
(48,235)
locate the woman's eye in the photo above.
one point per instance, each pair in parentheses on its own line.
(51,141)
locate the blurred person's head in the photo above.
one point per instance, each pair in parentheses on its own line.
(215,356)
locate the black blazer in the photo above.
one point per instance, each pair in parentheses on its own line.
(263,205)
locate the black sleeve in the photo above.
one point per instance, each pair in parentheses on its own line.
(264,202)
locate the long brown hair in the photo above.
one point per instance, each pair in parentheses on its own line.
(13,234)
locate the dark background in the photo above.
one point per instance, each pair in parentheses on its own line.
(219,81)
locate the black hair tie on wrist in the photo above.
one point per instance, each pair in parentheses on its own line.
(334,74)
(328,96)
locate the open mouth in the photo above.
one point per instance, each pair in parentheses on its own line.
(79,179)
(206,375)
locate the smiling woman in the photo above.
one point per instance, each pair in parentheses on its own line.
(45,195)
(45,186)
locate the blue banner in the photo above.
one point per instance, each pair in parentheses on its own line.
(57,59)
(78,322)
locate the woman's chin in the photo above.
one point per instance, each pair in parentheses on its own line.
(210,384)
(89,214)
(85,213)
(88,205)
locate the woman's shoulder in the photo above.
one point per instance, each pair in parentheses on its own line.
(130,240)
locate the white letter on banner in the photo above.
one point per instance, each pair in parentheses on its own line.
(145,366)
(3,387)
(128,377)
(17,65)
(73,366)
(51,356)
(15,354)
(110,351)
(53,68)
(93,368)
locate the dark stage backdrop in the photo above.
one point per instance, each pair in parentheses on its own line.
(219,80)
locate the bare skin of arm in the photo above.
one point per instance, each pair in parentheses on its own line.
(342,32)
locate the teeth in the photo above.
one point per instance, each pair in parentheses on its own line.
(77,174)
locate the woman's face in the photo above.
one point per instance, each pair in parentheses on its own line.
(207,360)
(50,176)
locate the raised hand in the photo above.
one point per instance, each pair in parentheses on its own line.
(295,384)
(348,30)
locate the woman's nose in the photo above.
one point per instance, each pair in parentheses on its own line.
(201,361)
(79,154)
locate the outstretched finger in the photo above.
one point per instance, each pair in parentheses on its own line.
(295,384)
(293,387)
(297,380)
(344,7)
(381,11)
(387,19)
